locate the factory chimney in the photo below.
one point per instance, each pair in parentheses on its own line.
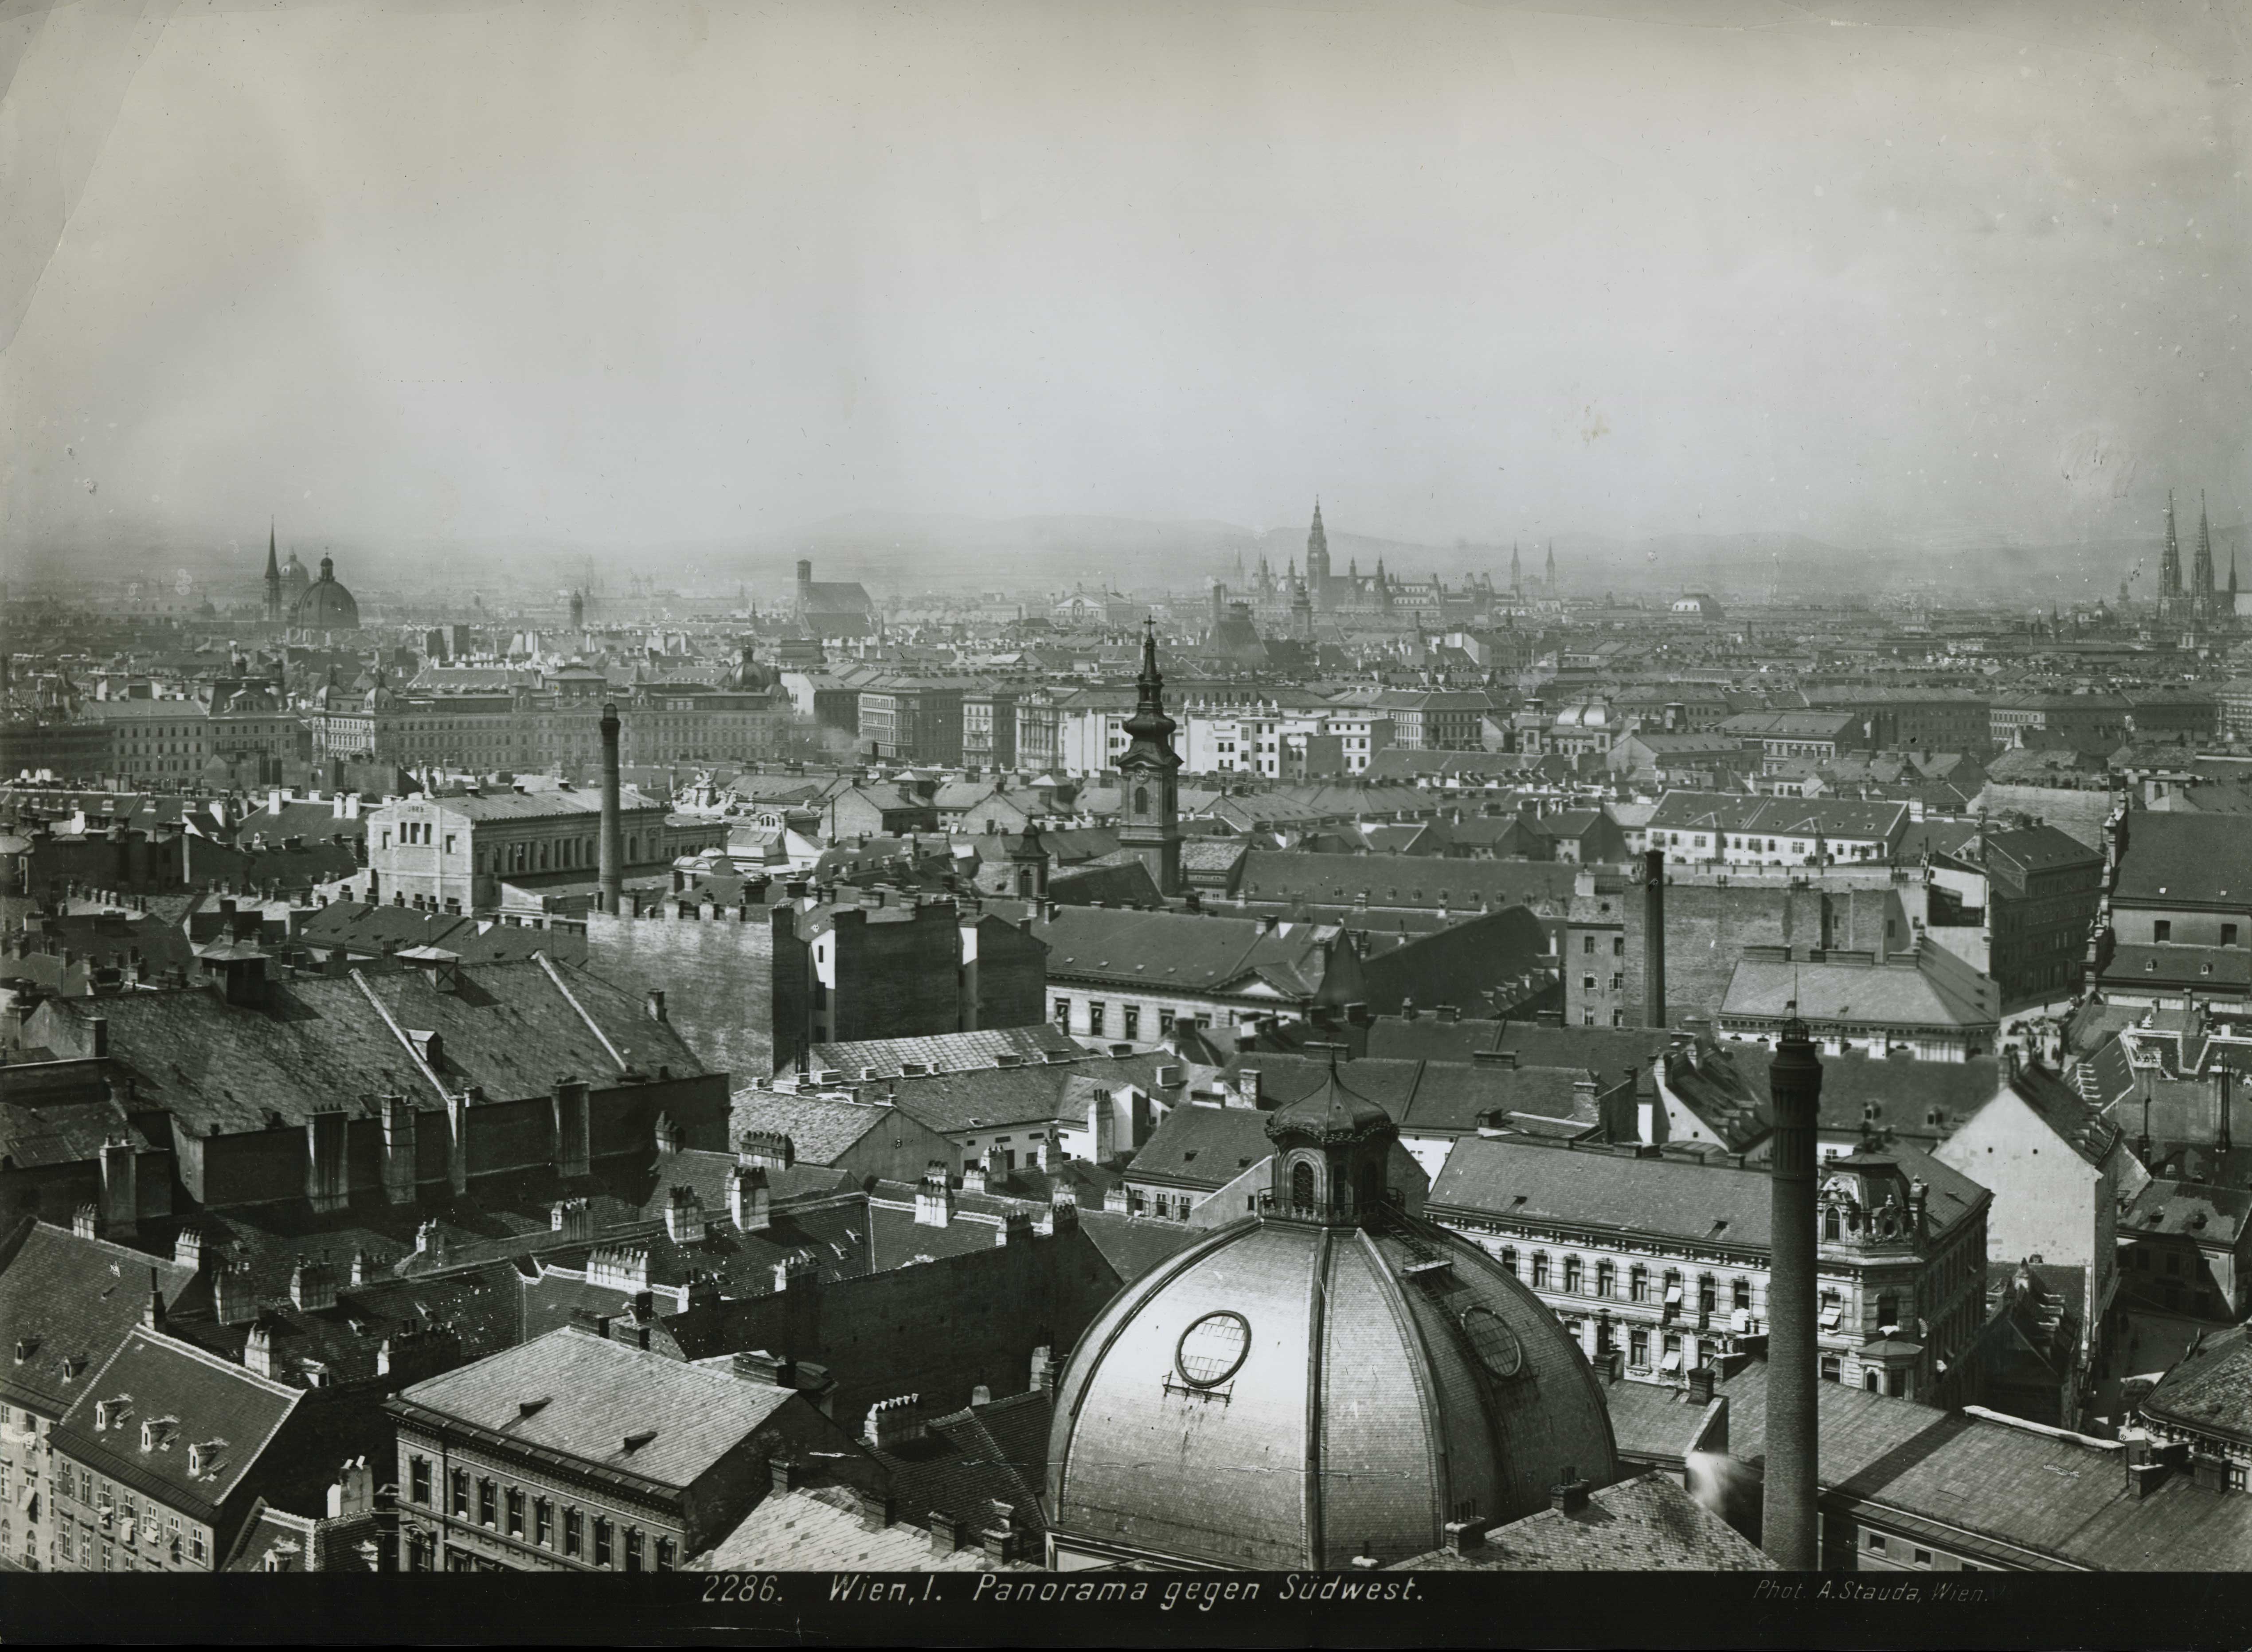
(611,849)
(1788,1530)
(2222,1077)
(1653,937)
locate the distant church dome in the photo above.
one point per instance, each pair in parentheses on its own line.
(295,579)
(1327,1378)
(325,605)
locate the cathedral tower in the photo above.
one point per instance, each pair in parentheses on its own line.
(1150,824)
(2169,581)
(2200,573)
(1317,560)
(273,615)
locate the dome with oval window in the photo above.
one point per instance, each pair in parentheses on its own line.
(1328,1378)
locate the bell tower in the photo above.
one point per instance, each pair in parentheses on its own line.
(1150,824)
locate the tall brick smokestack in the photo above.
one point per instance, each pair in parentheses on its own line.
(612,847)
(1788,1530)
(1653,937)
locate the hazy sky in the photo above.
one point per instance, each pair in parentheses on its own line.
(657,271)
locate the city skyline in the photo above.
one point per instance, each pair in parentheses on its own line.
(670,277)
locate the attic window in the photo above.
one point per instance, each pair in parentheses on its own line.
(639,1438)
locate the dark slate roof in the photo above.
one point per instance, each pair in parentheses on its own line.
(478,1308)
(2187,1210)
(74,1300)
(1183,952)
(1901,1092)
(2035,849)
(508,1028)
(1434,1096)
(1402,880)
(2211,1388)
(1133,1245)
(1653,1419)
(1004,1098)
(1647,1524)
(972,1459)
(2172,857)
(212,1400)
(594,1395)
(38,1132)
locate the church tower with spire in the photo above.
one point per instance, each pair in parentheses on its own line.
(1317,561)
(2202,584)
(2170,580)
(1551,568)
(1150,825)
(273,579)
(1516,572)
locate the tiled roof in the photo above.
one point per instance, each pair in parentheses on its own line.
(1182,952)
(627,1410)
(2181,857)
(1204,1146)
(1778,816)
(317,1042)
(2187,1210)
(2211,1388)
(969,1459)
(1003,1097)
(1647,1524)
(819,1529)
(1402,880)
(1680,1197)
(37,1133)
(212,1400)
(1892,994)
(73,1300)
(1653,1419)
(819,1126)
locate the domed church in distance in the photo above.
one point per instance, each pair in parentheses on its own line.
(1328,1378)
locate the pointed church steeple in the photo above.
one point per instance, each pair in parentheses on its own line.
(2201,575)
(1150,825)
(2170,564)
(1317,560)
(1551,568)
(273,579)
(1516,571)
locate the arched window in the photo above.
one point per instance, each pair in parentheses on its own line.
(1141,800)
(1830,1221)
(1302,1184)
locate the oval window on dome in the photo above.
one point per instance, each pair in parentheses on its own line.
(1212,1349)
(1495,1345)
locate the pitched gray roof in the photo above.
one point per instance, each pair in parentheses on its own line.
(591,1395)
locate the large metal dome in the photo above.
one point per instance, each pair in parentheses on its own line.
(326,606)
(1311,1385)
